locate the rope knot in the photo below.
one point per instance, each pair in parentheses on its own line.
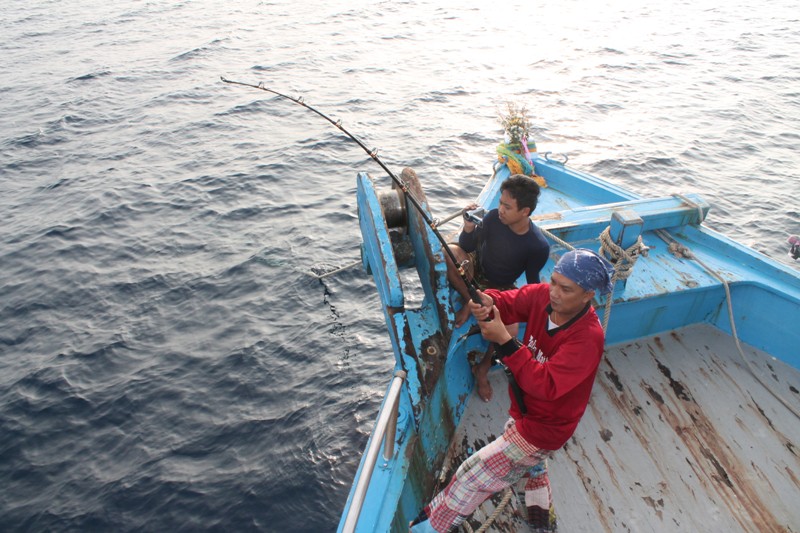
(679,250)
(623,258)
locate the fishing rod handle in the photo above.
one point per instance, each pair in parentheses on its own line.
(475,297)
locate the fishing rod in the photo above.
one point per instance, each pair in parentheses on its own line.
(471,287)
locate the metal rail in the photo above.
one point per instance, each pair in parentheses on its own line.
(385,427)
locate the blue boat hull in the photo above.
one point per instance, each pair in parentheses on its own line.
(665,293)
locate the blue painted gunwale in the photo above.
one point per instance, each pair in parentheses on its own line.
(664,293)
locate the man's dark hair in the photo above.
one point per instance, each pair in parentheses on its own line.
(522,189)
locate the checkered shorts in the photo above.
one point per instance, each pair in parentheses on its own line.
(500,464)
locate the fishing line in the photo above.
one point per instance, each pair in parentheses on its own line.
(471,287)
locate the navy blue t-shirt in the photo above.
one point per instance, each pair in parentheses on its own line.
(503,254)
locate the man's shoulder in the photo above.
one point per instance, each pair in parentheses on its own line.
(536,246)
(537,235)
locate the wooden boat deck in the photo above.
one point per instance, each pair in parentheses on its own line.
(679,436)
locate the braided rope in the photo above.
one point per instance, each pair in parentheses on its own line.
(506,498)
(690,203)
(623,259)
(557,240)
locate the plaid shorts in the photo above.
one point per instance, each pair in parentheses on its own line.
(500,464)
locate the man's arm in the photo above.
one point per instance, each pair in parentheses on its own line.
(537,260)
(468,238)
(535,264)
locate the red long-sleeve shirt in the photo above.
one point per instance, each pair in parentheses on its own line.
(555,369)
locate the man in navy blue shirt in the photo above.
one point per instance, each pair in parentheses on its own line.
(498,251)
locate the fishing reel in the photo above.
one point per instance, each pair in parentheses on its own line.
(394,207)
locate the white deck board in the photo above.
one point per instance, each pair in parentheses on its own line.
(678,436)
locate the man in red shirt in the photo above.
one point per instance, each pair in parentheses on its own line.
(553,371)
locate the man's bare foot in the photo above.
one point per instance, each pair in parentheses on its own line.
(481,373)
(462,316)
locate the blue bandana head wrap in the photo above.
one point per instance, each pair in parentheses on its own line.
(588,269)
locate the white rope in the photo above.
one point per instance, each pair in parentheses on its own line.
(332,272)
(624,259)
(680,250)
(690,203)
(557,240)
(500,506)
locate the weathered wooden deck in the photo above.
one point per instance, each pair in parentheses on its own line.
(679,436)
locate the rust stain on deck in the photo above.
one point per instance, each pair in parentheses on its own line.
(712,457)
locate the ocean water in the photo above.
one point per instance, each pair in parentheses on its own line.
(168,358)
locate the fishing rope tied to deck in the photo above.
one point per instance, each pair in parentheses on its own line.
(557,240)
(373,153)
(679,250)
(623,258)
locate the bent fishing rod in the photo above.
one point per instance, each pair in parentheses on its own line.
(471,287)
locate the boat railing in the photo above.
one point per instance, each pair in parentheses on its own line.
(385,430)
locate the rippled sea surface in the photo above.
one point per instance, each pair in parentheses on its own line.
(168,360)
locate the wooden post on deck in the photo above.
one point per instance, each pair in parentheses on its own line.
(626,227)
